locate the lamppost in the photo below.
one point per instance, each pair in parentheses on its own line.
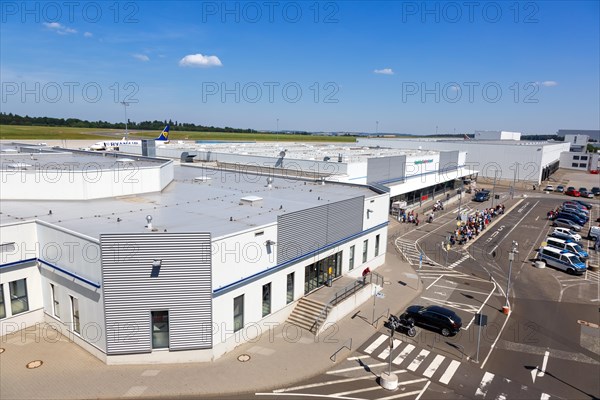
(125,105)
(460,192)
(494,187)
(511,258)
(376,128)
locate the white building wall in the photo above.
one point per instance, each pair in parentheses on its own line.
(13,323)
(93,183)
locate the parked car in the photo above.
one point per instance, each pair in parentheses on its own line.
(595,171)
(573,217)
(560,189)
(561,259)
(585,204)
(436,317)
(549,188)
(569,245)
(595,190)
(586,194)
(573,210)
(572,192)
(565,233)
(482,196)
(571,188)
(594,233)
(566,223)
(576,204)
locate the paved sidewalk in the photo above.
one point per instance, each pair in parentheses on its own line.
(282,356)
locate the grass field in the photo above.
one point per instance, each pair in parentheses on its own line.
(20,132)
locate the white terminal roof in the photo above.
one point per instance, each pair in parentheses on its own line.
(187,204)
(350,152)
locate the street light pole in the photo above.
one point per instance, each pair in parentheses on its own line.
(462,186)
(511,258)
(125,104)
(494,187)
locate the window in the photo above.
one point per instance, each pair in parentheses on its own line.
(575,157)
(365,249)
(290,288)
(238,313)
(55,304)
(18,296)
(574,165)
(75,314)
(377,245)
(583,158)
(160,329)
(583,165)
(351,258)
(266,299)
(2,307)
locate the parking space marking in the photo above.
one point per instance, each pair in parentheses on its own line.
(398,396)
(337,371)
(462,290)
(333,382)
(482,305)
(459,306)
(369,389)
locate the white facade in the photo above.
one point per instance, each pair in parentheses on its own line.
(497,135)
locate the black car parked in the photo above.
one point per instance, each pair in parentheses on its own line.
(436,317)
(482,195)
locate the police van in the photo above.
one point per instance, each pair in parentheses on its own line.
(561,259)
(569,245)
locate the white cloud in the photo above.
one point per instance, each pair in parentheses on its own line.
(385,71)
(549,83)
(199,60)
(59,28)
(88,34)
(141,57)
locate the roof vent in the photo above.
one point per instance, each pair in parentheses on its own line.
(202,179)
(251,199)
(123,160)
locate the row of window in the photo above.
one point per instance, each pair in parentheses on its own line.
(17,290)
(582,158)
(238,302)
(74,309)
(580,165)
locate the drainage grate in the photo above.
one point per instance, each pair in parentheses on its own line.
(244,358)
(34,364)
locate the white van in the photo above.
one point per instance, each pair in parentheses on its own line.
(561,259)
(569,245)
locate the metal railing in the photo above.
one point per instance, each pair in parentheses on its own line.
(345,345)
(343,294)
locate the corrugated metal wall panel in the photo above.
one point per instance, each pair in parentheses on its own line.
(183,287)
(448,160)
(300,232)
(382,169)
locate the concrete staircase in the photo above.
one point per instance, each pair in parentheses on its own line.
(306,313)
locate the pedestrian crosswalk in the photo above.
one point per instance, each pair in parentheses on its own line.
(411,252)
(439,368)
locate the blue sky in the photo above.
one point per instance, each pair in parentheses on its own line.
(415,67)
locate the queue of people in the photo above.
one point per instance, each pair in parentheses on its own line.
(475,224)
(410,217)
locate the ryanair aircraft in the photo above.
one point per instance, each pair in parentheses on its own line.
(114,144)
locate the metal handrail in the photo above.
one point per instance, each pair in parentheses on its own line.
(333,357)
(343,294)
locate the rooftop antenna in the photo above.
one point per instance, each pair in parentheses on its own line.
(125,105)
(149,220)
(270,182)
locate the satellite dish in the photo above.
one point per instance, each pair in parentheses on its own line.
(326,158)
(282,154)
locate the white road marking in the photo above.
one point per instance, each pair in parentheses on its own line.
(501,396)
(483,304)
(470,308)
(398,396)
(306,395)
(357,357)
(544,363)
(418,360)
(432,283)
(462,290)
(376,344)
(334,382)
(449,373)
(407,350)
(513,228)
(355,391)
(386,352)
(355,368)
(483,385)
(495,341)
(437,361)
(423,391)
(135,391)
(544,396)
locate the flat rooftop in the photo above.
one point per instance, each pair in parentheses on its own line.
(197,200)
(349,153)
(18,156)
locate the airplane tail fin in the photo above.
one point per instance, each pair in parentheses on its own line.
(164,135)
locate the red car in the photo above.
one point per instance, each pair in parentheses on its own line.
(595,171)
(572,192)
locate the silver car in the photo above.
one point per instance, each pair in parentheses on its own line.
(566,223)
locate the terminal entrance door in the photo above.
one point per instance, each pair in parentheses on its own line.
(316,274)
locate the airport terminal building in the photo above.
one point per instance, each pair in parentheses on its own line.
(142,260)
